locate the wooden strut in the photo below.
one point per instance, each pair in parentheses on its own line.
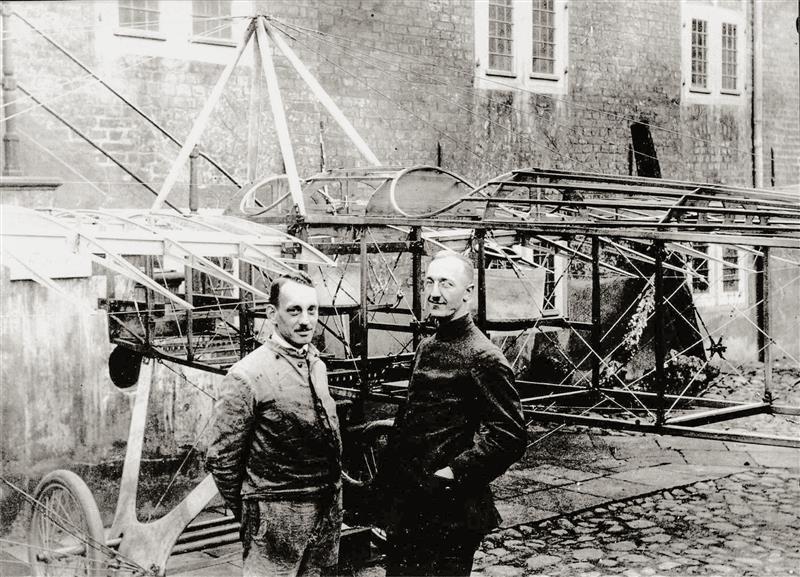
(320,93)
(279,116)
(200,123)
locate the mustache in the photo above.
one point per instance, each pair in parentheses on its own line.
(437,300)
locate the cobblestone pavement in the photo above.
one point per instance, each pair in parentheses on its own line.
(744,524)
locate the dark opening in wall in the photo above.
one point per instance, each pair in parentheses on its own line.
(124,366)
(644,151)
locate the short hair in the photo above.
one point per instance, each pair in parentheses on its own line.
(466,263)
(298,277)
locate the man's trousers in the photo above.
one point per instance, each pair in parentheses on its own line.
(290,538)
(423,551)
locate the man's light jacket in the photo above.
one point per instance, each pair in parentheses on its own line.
(275,434)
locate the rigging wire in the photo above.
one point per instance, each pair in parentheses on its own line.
(424,121)
(373,62)
(507,86)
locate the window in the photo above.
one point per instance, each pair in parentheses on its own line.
(729,57)
(544,37)
(717,274)
(547,260)
(521,44)
(197,30)
(699,54)
(712,56)
(141,15)
(699,266)
(730,270)
(211,19)
(501,39)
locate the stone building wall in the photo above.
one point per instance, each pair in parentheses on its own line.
(402,72)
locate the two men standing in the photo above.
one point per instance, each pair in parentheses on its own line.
(276,450)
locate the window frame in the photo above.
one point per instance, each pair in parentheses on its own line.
(523,76)
(214,40)
(176,39)
(716,18)
(735,63)
(716,294)
(126,30)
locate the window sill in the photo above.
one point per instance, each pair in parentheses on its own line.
(545,77)
(143,34)
(731,92)
(502,73)
(212,41)
(697,90)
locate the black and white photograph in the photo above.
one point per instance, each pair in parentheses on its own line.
(399,288)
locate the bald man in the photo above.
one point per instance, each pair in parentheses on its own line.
(461,427)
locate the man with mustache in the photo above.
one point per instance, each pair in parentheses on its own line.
(275,451)
(461,426)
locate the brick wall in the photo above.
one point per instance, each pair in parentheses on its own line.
(781,93)
(402,72)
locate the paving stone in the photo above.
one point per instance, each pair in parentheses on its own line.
(723,527)
(501,571)
(611,488)
(640,524)
(622,546)
(588,554)
(657,538)
(539,561)
(515,511)
(579,566)
(775,457)
(558,474)
(634,558)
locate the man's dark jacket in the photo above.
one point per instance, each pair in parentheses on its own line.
(463,412)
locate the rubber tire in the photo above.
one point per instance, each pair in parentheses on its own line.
(367,438)
(91,522)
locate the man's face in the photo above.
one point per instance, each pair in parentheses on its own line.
(448,288)
(295,317)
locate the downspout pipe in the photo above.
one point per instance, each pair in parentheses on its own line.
(757,118)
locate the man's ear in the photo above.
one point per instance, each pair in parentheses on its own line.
(271,312)
(468,291)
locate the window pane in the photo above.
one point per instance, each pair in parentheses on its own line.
(730,270)
(699,54)
(501,35)
(546,259)
(543,35)
(699,266)
(211,19)
(139,14)
(729,73)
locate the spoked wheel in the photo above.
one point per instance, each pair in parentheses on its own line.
(66,533)
(361,462)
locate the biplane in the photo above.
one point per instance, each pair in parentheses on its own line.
(188,289)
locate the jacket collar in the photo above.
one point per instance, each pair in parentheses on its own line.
(278,344)
(451,330)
